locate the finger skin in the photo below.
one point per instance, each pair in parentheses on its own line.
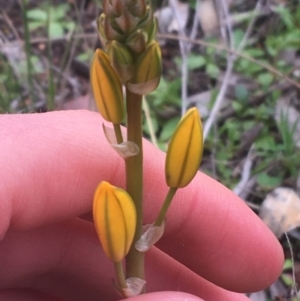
(51,164)
(30,295)
(25,295)
(166,296)
(65,260)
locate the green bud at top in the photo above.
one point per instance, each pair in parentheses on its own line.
(147,20)
(152,30)
(138,9)
(101,31)
(121,59)
(121,18)
(113,8)
(137,41)
(111,30)
(126,22)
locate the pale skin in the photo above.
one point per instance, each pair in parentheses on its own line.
(50,166)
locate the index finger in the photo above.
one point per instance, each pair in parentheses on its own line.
(51,164)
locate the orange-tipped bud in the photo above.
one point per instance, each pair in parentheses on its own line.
(185,150)
(115,220)
(107,88)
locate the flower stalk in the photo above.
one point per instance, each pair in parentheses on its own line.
(134,180)
(131,59)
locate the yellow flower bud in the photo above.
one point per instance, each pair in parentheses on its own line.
(185,150)
(115,220)
(107,88)
(148,71)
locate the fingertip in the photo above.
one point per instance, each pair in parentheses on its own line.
(166,296)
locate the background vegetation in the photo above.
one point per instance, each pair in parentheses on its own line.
(241,69)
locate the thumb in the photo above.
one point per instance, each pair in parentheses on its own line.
(165,296)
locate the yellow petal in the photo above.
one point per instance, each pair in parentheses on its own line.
(115,220)
(107,88)
(185,150)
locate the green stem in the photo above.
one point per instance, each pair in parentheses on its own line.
(51,85)
(165,207)
(134,180)
(118,133)
(120,274)
(30,70)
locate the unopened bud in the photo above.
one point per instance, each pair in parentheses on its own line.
(111,30)
(126,21)
(152,30)
(107,88)
(121,59)
(185,150)
(101,31)
(147,21)
(137,41)
(148,71)
(115,220)
(112,8)
(138,9)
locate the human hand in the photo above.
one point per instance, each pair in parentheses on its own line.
(50,166)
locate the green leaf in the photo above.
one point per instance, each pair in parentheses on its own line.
(37,15)
(268,182)
(265,143)
(255,53)
(193,62)
(287,279)
(33,25)
(222,164)
(169,128)
(36,62)
(55,30)
(60,11)
(285,15)
(70,26)
(288,264)
(265,79)
(212,70)
(241,93)
(196,61)
(238,36)
(237,106)
(83,57)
